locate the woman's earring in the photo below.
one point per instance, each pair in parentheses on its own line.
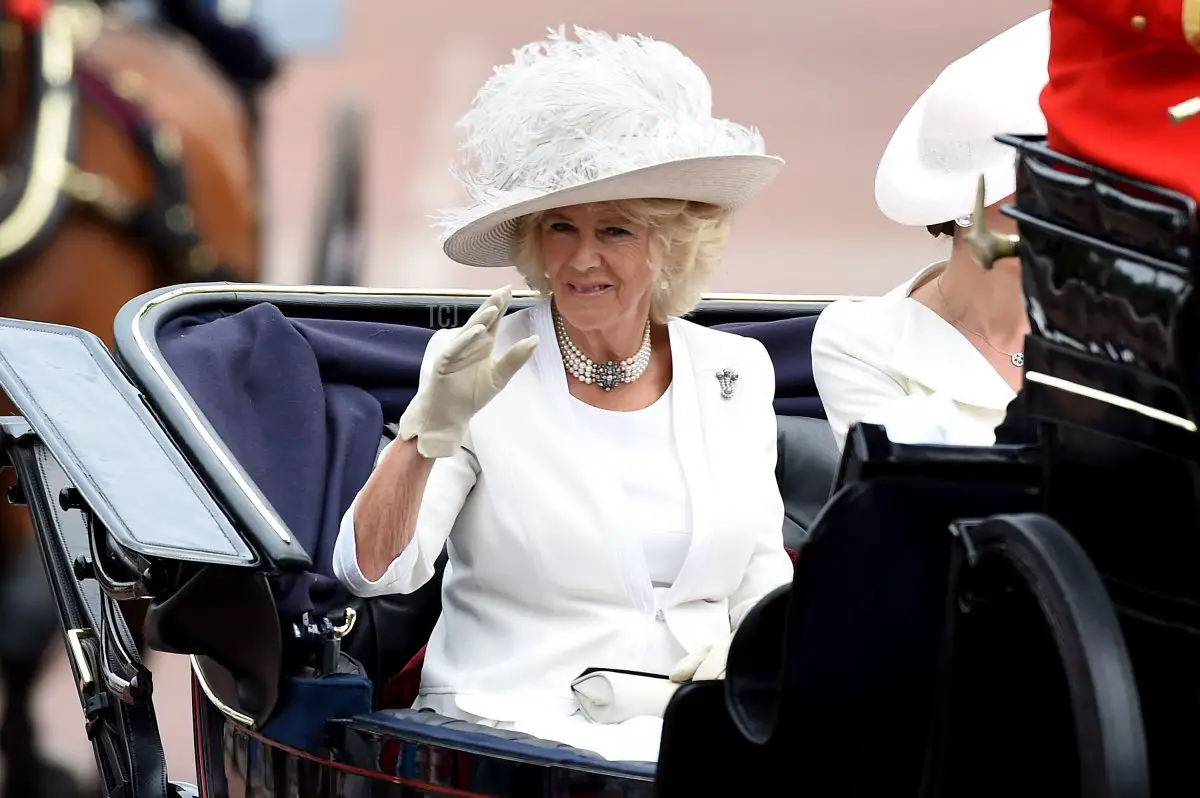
(963,221)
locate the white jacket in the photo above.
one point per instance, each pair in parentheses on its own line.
(544,578)
(894,361)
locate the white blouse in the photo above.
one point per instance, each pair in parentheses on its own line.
(642,443)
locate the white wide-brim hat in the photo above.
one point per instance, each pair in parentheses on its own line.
(929,173)
(598,120)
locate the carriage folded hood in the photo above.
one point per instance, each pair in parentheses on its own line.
(301,404)
(68,389)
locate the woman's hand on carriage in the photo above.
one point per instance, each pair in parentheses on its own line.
(707,663)
(464,377)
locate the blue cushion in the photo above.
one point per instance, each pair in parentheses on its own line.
(307,703)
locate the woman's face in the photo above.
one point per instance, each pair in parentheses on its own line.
(598,263)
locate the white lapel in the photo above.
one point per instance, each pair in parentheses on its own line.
(695,435)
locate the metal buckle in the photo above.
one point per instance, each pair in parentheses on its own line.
(82,666)
(344,628)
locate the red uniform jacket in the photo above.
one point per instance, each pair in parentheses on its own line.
(1116,69)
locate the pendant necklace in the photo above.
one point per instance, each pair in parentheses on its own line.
(607,375)
(1016,358)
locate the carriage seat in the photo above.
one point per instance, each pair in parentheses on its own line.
(426,726)
(805,470)
(295,398)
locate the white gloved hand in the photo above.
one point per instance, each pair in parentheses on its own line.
(463,379)
(707,663)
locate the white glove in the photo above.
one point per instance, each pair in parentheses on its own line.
(707,663)
(463,379)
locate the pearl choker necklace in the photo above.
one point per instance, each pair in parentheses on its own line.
(606,375)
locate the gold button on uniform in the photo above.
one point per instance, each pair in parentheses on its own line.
(1138,23)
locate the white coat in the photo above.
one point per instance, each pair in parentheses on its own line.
(545,577)
(871,356)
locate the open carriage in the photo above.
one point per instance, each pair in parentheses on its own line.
(1017,619)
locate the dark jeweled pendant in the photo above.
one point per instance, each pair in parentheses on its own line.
(1018,359)
(607,375)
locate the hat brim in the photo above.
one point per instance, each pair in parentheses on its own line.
(728,181)
(910,193)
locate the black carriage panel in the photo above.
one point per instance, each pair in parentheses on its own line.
(833,679)
(1112,384)
(865,623)
(114,688)
(1122,211)
(67,387)
(1109,268)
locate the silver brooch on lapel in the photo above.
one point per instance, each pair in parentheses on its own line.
(727,379)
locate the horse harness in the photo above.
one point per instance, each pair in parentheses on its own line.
(36,190)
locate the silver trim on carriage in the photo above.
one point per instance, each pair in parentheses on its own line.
(224,708)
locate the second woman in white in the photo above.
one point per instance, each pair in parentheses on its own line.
(941,353)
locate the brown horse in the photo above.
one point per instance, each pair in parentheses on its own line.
(128,164)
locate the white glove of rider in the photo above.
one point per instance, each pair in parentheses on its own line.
(463,379)
(707,663)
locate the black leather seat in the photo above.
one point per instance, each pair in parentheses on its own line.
(805,469)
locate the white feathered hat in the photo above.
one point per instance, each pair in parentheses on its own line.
(605,118)
(929,173)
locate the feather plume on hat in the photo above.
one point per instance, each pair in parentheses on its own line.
(601,118)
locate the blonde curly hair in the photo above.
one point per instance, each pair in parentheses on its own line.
(687,242)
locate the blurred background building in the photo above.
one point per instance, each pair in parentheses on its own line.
(826,84)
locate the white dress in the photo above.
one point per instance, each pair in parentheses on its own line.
(642,443)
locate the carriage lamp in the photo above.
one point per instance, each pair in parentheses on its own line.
(987,246)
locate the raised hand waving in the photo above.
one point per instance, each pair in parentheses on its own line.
(464,377)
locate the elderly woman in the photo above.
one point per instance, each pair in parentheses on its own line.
(601,470)
(938,359)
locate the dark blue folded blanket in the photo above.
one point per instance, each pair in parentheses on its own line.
(301,404)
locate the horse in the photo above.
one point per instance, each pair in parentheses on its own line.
(129,163)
